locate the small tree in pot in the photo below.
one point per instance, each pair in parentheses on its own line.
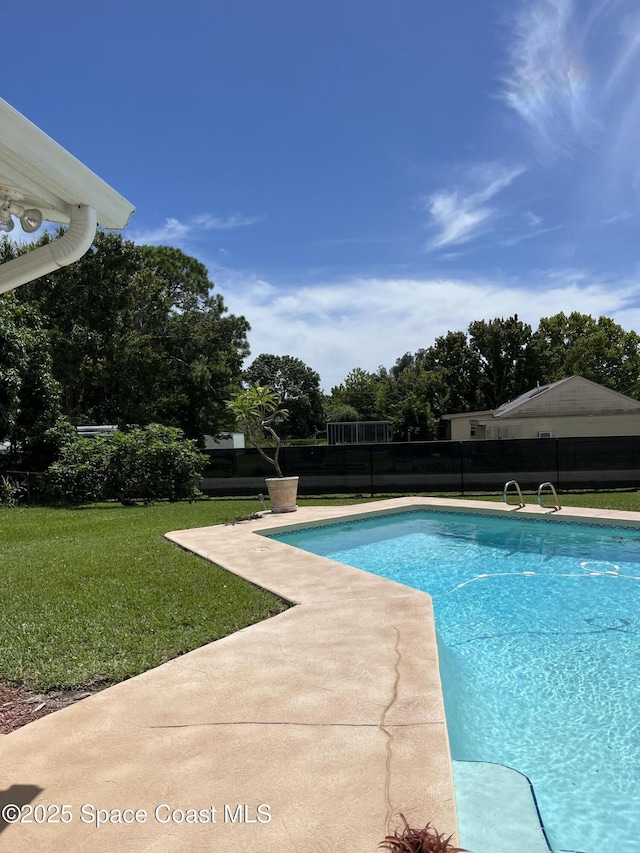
(258,410)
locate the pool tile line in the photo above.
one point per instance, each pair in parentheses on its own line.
(548,515)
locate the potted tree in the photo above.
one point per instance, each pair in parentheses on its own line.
(258,410)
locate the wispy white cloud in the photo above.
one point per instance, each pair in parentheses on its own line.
(623,216)
(527,226)
(171,231)
(461,214)
(628,55)
(179,233)
(224,223)
(545,85)
(573,72)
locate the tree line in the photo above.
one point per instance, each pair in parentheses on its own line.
(135,335)
(491,363)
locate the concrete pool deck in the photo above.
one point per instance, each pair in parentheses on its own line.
(311,730)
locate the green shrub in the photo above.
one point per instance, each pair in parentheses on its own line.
(11,492)
(154,462)
(146,464)
(82,470)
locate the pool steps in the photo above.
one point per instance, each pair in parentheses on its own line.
(497,811)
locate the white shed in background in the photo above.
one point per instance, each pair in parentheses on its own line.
(227,441)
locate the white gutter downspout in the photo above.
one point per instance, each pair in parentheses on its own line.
(61,252)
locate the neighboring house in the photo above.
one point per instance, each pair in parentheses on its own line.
(571,407)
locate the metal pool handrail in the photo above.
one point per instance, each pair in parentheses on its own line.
(556,500)
(505,495)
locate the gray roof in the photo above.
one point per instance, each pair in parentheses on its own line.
(573,395)
(507,408)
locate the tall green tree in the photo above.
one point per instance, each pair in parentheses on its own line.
(458,367)
(85,308)
(509,363)
(138,337)
(406,398)
(298,387)
(359,391)
(186,327)
(29,394)
(600,350)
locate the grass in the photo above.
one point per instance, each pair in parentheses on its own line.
(97,594)
(620,500)
(601,500)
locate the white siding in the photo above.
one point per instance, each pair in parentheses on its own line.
(564,427)
(559,427)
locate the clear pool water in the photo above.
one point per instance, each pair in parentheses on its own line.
(540,652)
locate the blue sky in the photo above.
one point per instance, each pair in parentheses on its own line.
(359,176)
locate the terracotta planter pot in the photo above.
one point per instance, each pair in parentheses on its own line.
(283,492)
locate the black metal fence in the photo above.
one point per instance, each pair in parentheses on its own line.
(442,466)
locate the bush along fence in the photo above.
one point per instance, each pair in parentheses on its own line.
(144,465)
(434,466)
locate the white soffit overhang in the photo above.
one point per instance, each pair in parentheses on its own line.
(36,172)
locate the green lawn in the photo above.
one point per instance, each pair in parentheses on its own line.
(627,500)
(97,594)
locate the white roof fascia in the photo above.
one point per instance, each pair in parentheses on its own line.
(471,415)
(37,172)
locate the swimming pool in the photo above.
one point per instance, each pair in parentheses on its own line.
(538,625)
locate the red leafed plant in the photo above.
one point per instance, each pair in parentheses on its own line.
(425,840)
